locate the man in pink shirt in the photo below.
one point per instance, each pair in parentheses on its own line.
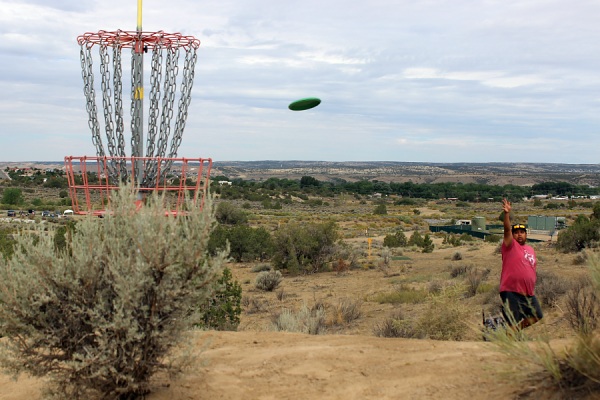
(517,280)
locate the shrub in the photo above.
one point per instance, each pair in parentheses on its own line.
(310,321)
(305,248)
(7,243)
(268,280)
(428,245)
(63,236)
(227,213)
(444,318)
(435,287)
(492,238)
(415,239)
(580,258)
(474,280)
(346,311)
(395,327)
(460,270)
(583,308)
(261,268)
(584,233)
(452,239)
(457,256)
(100,321)
(396,240)
(222,310)
(465,237)
(550,287)
(403,295)
(245,243)
(12,196)
(253,305)
(380,209)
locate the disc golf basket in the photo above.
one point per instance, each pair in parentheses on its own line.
(92,179)
(90,182)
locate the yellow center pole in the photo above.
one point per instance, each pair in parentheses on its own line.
(139,16)
(138,96)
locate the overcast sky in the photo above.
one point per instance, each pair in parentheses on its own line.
(427,80)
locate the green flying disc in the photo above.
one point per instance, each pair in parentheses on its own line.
(304,104)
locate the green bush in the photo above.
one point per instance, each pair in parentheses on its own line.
(12,196)
(396,240)
(584,233)
(7,243)
(100,321)
(245,243)
(452,239)
(222,310)
(304,248)
(428,245)
(228,214)
(380,209)
(415,239)
(492,238)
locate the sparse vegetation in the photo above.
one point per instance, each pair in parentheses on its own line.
(578,369)
(345,311)
(402,295)
(282,227)
(268,280)
(306,320)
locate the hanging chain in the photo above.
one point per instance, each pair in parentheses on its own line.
(170,87)
(90,97)
(108,110)
(162,96)
(120,124)
(155,83)
(184,103)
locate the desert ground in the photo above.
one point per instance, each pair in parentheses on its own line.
(349,361)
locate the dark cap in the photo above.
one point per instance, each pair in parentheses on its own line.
(517,227)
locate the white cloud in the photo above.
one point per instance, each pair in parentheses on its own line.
(399,80)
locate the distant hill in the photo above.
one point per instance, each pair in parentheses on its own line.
(522,174)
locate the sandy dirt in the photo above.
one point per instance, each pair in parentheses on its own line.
(349,361)
(269,365)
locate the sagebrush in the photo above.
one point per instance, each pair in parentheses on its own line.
(100,316)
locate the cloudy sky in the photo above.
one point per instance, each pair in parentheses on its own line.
(399,80)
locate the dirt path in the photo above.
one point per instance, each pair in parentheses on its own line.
(269,365)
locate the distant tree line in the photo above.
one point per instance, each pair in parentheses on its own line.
(307,185)
(472,192)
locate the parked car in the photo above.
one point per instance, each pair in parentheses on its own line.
(45,213)
(11,213)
